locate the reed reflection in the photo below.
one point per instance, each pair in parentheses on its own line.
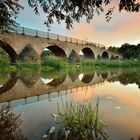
(10,125)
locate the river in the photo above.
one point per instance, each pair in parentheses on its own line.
(35,95)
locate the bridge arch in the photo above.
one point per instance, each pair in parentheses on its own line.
(11,52)
(57,51)
(88,53)
(105,55)
(28,53)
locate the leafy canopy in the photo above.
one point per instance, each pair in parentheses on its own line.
(127,51)
(8,11)
(70,11)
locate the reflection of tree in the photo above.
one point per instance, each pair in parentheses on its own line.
(129,77)
(9,125)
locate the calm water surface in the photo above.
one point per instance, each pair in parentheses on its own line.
(35,97)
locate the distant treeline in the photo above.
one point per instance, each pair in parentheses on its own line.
(127,51)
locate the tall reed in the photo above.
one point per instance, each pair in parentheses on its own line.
(81,121)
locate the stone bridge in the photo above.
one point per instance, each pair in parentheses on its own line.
(24,89)
(32,43)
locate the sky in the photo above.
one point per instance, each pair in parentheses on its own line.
(123,28)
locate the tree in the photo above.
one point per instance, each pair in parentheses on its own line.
(8,11)
(70,11)
(130,51)
(113,49)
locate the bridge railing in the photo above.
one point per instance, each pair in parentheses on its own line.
(48,35)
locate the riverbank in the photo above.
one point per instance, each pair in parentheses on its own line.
(58,64)
(109,63)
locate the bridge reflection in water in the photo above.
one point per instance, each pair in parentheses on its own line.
(22,89)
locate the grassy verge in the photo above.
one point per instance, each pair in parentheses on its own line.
(53,63)
(106,63)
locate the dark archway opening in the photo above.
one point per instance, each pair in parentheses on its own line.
(116,57)
(112,57)
(87,53)
(29,54)
(104,75)
(52,55)
(57,51)
(87,78)
(10,51)
(105,55)
(57,82)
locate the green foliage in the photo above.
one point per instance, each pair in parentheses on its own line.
(109,63)
(55,62)
(113,49)
(130,76)
(130,51)
(3,55)
(45,54)
(82,121)
(8,11)
(127,51)
(70,11)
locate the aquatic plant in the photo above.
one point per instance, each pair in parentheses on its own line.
(81,121)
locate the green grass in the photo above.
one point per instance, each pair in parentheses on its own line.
(107,63)
(54,62)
